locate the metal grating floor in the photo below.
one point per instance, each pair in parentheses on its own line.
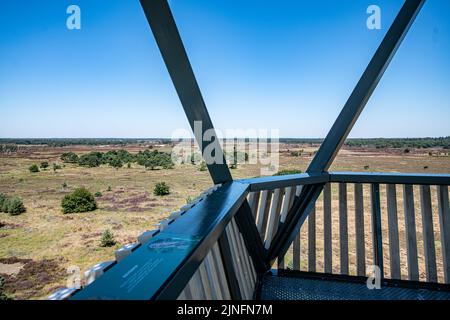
(295,288)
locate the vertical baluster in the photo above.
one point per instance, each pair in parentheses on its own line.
(296,253)
(444,222)
(428,234)
(376,228)
(343,227)
(217,259)
(237,263)
(312,241)
(274,217)
(411,238)
(253,201)
(394,246)
(327,228)
(205,281)
(263,212)
(359,228)
(287,204)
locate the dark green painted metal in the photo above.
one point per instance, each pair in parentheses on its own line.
(161,268)
(177,62)
(275,182)
(377,236)
(390,178)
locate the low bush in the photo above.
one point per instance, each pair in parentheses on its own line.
(13,206)
(161,189)
(107,239)
(33,168)
(44,165)
(56,167)
(3,198)
(286,172)
(69,157)
(80,200)
(98,194)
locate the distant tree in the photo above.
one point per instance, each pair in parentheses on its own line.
(116,163)
(80,200)
(69,157)
(203,166)
(3,198)
(13,206)
(161,189)
(107,239)
(44,165)
(33,168)
(90,160)
(56,167)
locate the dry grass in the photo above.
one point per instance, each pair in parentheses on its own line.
(43,233)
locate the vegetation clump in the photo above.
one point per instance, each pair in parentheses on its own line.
(44,165)
(161,189)
(107,239)
(286,172)
(80,200)
(13,206)
(98,194)
(3,295)
(69,157)
(33,168)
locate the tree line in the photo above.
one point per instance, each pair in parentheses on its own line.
(118,158)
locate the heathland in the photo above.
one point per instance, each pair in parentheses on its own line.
(38,245)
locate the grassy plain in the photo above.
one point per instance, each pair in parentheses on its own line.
(38,246)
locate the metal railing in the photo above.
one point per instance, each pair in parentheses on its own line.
(397,222)
(216,247)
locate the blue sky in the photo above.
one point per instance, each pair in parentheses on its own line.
(288,65)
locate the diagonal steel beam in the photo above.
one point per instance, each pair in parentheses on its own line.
(343,124)
(174,54)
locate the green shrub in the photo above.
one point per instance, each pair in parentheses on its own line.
(107,239)
(116,163)
(287,172)
(203,166)
(98,194)
(33,168)
(3,198)
(80,200)
(56,167)
(161,189)
(91,160)
(69,157)
(64,185)
(13,206)
(109,189)
(44,165)
(3,295)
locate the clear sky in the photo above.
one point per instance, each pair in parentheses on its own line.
(284,64)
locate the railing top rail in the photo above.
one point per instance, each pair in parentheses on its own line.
(390,178)
(274,182)
(162,267)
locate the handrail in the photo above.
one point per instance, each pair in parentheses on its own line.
(161,268)
(275,182)
(390,178)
